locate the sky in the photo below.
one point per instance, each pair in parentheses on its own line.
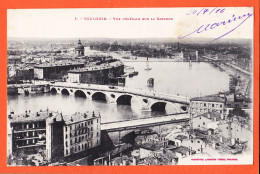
(61,23)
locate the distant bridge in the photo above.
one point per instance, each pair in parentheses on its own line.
(148,100)
(145,122)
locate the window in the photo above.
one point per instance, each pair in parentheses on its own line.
(198,141)
(97,120)
(97,134)
(220,105)
(203,123)
(205,104)
(213,105)
(191,141)
(91,121)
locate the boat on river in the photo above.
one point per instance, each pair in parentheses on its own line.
(148,68)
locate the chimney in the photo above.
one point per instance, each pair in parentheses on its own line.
(85,115)
(222,116)
(221,139)
(50,114)
(93,114)
(26,115)
(37,114)
(134,161)
(124,162)
(10,116)
(71,119)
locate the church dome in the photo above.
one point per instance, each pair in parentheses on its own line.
(79,46)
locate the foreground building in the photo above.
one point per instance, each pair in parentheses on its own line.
(26,132)
(207,104)
(68,135)
(58,135)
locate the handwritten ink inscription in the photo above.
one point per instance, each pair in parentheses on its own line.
(234,19)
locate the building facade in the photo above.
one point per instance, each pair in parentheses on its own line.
(100,74)
(207,104)
(54,70)
(59,136)
(79,132)
(26,132)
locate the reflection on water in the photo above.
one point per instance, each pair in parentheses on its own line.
(170,77)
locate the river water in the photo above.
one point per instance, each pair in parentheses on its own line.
(180,78)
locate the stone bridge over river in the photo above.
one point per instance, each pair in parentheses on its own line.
(148,100)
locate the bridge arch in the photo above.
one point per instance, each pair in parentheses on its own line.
(100,96)
(80,93)
(158,106)
(65,91)
(184,108)
(53,91)
(124,99)
(176,106)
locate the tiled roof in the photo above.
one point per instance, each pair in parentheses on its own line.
(30,117)
(183,150)
(209,98)
(45,65)
(49,115)
(212,115)
(78,117)
(153,146)
(99,67)
(181,137)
